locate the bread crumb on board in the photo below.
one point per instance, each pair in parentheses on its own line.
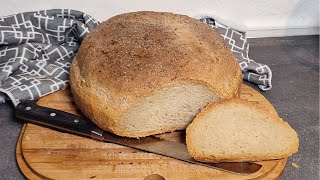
(295,165)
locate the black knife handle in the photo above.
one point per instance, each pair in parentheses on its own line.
(29,111)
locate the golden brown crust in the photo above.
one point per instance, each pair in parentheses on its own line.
(131,55)
(244,156)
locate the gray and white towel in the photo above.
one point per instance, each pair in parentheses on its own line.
(36,50)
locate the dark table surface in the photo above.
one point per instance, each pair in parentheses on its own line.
(294,62)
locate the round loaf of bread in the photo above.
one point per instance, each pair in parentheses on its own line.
(145,73)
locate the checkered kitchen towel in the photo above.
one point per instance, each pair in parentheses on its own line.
(36,50)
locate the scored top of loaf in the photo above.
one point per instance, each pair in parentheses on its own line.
(134,54)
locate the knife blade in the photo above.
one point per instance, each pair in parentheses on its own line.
(30,112)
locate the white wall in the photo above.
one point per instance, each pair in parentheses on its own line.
(261,17)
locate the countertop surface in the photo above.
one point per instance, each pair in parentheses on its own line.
(294,62)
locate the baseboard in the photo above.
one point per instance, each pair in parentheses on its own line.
(258,33)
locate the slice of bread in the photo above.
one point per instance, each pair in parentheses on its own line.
(237,130)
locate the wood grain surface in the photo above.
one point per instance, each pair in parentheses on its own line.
(47,154)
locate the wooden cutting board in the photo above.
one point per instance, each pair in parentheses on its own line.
(47,154)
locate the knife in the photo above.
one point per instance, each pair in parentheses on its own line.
(30,112)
